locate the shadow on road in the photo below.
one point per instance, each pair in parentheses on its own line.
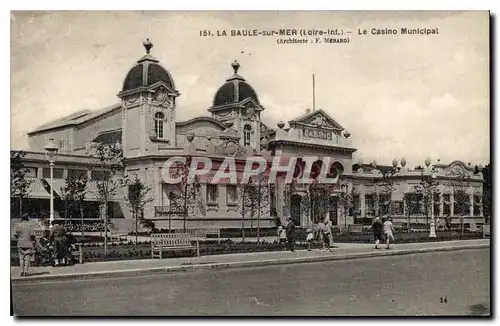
(479,310)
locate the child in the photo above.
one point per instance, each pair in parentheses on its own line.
(309,239)
(388,231)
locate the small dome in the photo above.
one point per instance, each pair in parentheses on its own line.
(235,90)
(147,72)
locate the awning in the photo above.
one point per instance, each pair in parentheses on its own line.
(58,185)
(37,189)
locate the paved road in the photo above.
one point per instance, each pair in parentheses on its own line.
(398,285)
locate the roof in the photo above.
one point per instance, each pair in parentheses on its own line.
(234,90)
(208,119)
(76,118)
(306,118)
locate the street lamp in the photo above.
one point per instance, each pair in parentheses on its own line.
(432,233)
(343,189)
(51,155)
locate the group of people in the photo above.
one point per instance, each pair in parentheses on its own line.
(286,235)
(383,231)
(53,247)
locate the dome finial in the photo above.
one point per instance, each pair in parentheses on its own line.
(235,66)
(147,45)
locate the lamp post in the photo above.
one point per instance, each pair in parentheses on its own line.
(343,189)
(432,233)
(51,154)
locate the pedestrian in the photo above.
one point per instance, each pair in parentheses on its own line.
(377,230)
(25,244)
(281,238)
(309,239)
(328,230)
(448,221)
(58,238)
(388,231)
(290,234)
(321,236)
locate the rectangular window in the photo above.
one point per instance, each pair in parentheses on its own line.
(370,204)
(212,194)
(231,195)
(98,175)
(385,201)
(397,207)
(31,172)
(461,205)
(74,173)
(58,173)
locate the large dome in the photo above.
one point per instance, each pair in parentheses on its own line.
(147,72)
(235,90)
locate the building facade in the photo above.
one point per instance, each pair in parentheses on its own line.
(143,124)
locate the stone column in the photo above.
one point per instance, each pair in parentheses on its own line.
(39,173)
(362,200)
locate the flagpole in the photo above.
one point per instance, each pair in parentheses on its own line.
(314,94)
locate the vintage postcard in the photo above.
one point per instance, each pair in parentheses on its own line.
(258,163)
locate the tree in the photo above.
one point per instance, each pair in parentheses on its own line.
(413,203)
(461,197)
(386,188)
(137,197)
(107,165)
(487,192)
(316,201)
(19,183)
(427,188)
(254,200)
(347,201)
(185,199)
(73,194)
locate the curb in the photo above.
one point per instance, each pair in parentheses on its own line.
(220,266)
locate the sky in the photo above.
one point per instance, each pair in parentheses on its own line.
(411,96)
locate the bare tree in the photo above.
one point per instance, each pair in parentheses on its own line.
(461,197)
(185,199)
(386,189)
(107,165)
(427,188)
(254,200)
(19,183)
(413,203)
(137,197)
(73,194)
(347,201)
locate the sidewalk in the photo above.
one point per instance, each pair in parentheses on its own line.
(150,266)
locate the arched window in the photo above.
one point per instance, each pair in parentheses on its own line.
(336,170)
(246,135)
(159,124)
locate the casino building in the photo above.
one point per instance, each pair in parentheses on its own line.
(143,124)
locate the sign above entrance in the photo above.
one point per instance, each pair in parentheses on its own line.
(317,134)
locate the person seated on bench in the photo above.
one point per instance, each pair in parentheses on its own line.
(44,249)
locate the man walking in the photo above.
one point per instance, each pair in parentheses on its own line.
(290,234)
(388,231)
(25,244)
(58,238)
(377,231)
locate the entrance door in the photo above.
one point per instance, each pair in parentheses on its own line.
(333,201)
(295,209)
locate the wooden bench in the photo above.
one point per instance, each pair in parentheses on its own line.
(356,228)
(118,237)
(486,230)
(170,241)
